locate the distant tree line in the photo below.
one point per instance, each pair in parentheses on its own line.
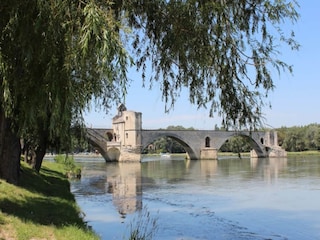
(300,138)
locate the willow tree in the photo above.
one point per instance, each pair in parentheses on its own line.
(56,56)
(222,51)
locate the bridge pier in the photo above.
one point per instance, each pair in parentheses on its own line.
(130,154)
(208,153)
(270,147)
(275,152)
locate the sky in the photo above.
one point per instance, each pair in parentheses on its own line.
(295,99)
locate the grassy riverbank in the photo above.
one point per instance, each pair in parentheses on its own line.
(41,207)
(304,153)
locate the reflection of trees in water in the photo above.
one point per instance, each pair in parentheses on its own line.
(268,168)
(161,170)
(124,183)
(293,167)
(234,166)
(304,165)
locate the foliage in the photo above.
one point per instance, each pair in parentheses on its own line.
(292,139)
(41,207)
(58,56)
(300,138)
(68,52)
(79,141)
(221,51)
(168,144)
(71,168)
(237,144)
(55,58)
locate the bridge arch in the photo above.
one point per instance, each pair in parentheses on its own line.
(101,140)
(256,143)
(114,153)
(187,147)
(95,143)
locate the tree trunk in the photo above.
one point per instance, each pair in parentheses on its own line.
(10,150)
(40,151)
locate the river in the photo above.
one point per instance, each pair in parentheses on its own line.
(229,198)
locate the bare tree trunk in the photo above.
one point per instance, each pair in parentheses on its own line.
(10,150)
(40,150)
(26,151)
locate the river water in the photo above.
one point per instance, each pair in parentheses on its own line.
(229,198)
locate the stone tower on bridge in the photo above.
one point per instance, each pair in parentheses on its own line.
(127,127)
(126,140)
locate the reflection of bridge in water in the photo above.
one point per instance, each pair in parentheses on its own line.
(126,140)
(124,183)
(127,181)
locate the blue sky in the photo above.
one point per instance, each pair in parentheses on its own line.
(295,100)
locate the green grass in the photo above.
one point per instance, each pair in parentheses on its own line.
(289,154)
(41,207)
(309,152)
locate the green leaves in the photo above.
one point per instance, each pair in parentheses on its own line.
(222,51)
(57,56)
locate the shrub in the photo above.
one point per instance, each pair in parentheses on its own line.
(72,169)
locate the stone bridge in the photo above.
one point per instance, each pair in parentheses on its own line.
(204,144)
(126,140)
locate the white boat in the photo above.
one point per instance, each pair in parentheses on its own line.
(165,155)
